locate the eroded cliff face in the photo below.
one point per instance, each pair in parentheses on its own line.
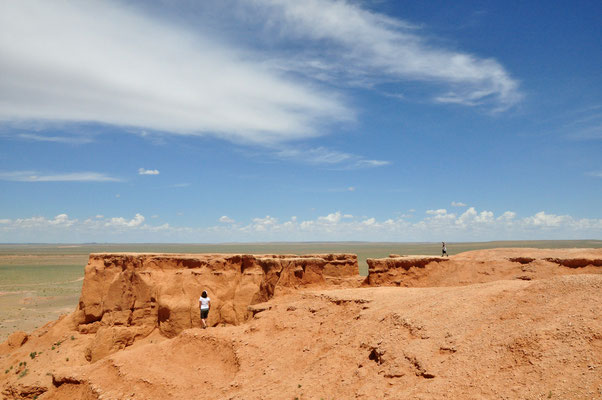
(481,266)
(127,296)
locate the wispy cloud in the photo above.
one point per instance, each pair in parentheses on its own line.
(140,71)
(371,163)
(370,46)
(55,139)
(457,204)
(226,220)
(142,171)
(328,157)
(152,73)
(590,132)
(317,155)
(35,176)
(585,123)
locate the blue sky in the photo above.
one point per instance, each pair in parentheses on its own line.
(282,120)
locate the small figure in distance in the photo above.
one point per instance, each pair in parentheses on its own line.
(443,249)
(204,305)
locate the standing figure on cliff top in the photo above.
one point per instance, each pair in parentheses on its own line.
(204,305)
(443,249)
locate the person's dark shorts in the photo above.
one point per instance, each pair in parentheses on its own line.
(204,313)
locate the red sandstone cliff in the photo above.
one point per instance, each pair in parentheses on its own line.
(127,296)
(481,266)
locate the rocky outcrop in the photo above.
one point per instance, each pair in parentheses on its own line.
(127,296)
(383,271)
(481,266)
(14,341)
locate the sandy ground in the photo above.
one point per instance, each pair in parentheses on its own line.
(502,339)
(36,289)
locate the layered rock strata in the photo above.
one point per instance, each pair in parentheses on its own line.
(127,296)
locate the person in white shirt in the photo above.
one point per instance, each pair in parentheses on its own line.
(204,305)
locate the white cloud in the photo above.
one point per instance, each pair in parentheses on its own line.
(60,221)
(507,216)
(318,155)
(140,71)
(372,163)
(55,139)
(226,220)
(324,156)
(548,220)
(123,223)
(457,204)
(597,174)
(472,225)
(263,224)
(331,218)
(142,171)
(369,46)
(156,74)
(351,189)
(35,176)
(440,211)
(327,157)
(485,217)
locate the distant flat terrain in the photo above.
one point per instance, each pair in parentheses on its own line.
(38,282)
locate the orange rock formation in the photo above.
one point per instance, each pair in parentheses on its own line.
(480,266)
(127,296)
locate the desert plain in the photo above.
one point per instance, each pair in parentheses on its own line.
(503,320)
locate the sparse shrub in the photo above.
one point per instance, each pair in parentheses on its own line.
(22,374)
(72,337)
(52,348)
(67,359)
(33,354)
(6,372)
